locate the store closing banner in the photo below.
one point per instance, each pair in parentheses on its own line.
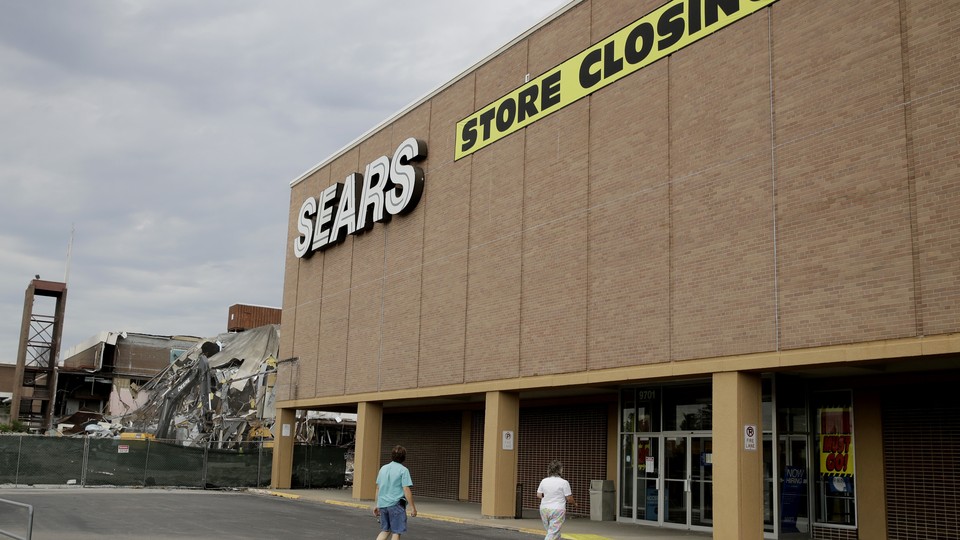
(658,34)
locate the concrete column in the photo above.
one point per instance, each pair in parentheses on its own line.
(868,452)
(366,459)
(613,443)
(283,438)
(498,499)
(21,354)
(737,470)
(55,357)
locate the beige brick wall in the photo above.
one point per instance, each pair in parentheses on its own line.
(554,281)
(790,181)
(628,310)
(934,119)
(446,210)
(336,295)
(846,265)
(721,197)
(306,311)
(560,39)
(608,17)
(501,74)
(366,286)
(495,263)
(492,346)
(846,271)
(403,269)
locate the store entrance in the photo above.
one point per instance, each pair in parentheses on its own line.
(794,486)
(683,485)
(688,480)
(666,458)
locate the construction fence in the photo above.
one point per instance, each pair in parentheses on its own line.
(33,460)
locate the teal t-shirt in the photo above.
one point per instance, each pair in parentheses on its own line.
(391,480)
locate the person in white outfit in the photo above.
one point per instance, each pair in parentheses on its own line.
(554,494)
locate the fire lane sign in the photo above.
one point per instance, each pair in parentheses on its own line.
(750,437)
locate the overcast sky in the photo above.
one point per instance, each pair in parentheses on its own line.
(166,133)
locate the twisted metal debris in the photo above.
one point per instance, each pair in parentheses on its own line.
(219,392)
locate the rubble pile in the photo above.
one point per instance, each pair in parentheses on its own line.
(219,392)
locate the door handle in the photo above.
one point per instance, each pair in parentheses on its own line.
(686,485)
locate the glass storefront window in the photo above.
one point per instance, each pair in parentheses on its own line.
(766,418)
(787,461)
(628,410)
(666,477)
(626,475)
(791,406)
(639,410)
(794,484)
(835,484)
(648,410)
(688,408)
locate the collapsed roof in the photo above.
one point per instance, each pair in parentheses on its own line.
(220,391)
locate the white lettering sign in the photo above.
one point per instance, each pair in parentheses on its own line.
(387,188)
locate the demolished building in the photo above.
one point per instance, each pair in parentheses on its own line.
(220,392)
(216,392)
(104,373)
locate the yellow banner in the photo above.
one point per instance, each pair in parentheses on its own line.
(662,32)
(836,441)
(836,454)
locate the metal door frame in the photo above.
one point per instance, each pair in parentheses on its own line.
(661,480)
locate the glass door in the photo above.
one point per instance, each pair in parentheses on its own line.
(701,481)
(688,481)
(666,456)
(640,498)
(794,487)
(648,479)
(676,479)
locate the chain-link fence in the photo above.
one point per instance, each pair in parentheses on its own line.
(30,460)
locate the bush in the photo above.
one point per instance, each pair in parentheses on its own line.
(15,426)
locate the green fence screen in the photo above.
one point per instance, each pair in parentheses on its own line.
(28,460)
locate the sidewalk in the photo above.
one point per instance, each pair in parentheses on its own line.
(463,512)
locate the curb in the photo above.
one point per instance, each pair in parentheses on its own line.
(345,503)
(434,517)
(274,493)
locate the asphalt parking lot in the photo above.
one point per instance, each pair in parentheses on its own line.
(154,514)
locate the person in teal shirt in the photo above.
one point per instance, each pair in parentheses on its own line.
(393,496)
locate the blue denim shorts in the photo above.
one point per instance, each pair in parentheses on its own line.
(393,519)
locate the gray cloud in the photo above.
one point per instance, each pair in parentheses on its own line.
(167,132)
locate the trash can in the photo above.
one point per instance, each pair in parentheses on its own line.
(602,500)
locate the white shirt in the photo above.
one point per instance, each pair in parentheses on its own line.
(555,491)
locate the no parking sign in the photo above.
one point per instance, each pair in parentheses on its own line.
(750,437)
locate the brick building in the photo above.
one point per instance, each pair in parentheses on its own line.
(707,249)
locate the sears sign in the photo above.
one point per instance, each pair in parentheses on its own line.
(385,189)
